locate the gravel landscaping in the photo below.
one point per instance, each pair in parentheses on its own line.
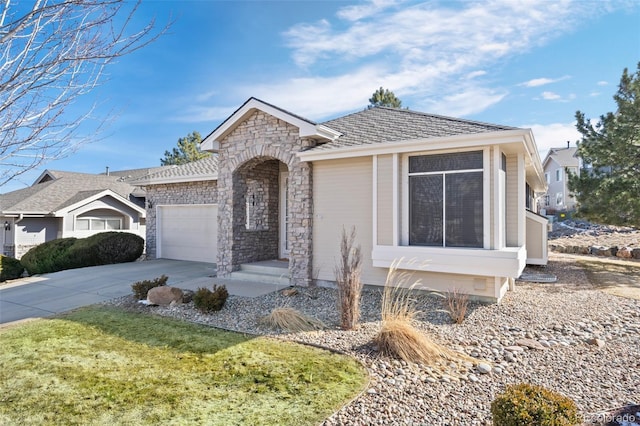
(567,336)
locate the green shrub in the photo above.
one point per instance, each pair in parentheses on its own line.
(47,257)
(210,301)
(115,247)
(530,405)
(10,268)
(69,253)
(141,288)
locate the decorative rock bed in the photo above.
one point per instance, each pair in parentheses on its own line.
(576,237)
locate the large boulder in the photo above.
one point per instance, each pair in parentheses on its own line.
(164,295)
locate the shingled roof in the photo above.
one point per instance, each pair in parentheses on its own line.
(65,189)
(565,157)
(200,170)
(384,124)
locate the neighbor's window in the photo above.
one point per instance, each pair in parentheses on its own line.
(98,224)
(559,199)
(446,200)
(558,175)
(547,178)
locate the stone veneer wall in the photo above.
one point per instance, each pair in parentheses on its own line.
(255,211)
(263,137)
(205,192)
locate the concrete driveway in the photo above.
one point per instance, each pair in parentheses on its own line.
(49,294)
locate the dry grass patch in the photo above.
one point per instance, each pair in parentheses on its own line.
(618,278)
(292,320)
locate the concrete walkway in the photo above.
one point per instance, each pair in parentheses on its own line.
(49,294)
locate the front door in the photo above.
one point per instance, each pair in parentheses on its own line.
(284,215)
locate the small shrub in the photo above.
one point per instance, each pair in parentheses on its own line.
(348,272)
(292,320)
(457,304)
(524,404)
(210,301)
(141,288)
(10,268)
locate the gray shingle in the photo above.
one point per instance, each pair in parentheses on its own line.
(204,169)
(68,188)
(384,124)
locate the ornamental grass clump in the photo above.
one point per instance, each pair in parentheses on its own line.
(530,405)
(457,304)
(398,336)
(292,320)
(347,273)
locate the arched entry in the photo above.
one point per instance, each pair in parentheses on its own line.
(260,210)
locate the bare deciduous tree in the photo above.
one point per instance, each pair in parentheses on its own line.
(51,53)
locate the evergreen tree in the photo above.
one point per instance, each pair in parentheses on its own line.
(608,187)
(188,150)
(384,97)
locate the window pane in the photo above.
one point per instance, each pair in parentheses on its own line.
(113,224)
(97,224)
(82,224)
(445,162)
(425,210)
(464,212)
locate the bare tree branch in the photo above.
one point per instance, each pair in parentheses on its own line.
(50,55)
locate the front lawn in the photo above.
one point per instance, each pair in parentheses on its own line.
(101,365)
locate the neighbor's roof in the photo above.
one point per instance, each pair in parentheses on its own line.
(200,170)
(67,188)
(384,124)
(565,157)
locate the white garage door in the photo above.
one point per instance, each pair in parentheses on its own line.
(188,232)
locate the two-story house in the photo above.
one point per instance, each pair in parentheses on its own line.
(557,165)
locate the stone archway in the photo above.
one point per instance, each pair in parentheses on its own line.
(248,160)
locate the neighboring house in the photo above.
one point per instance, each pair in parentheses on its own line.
(446,199)
(66,204)
(557,165)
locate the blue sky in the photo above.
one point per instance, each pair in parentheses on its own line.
(520,63)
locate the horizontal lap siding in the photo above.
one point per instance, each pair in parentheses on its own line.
(342,193)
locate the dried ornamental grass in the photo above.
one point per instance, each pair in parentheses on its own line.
(398,337)
(457,304)
(291,320)
(347,273)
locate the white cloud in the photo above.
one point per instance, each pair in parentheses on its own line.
(361,11)
(550,96)
(474,74)
(536,82)
(603,83)
(467,102)
(553,135)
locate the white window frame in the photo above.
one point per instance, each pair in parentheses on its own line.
(547,177)
(92,218)
(559,199)
(486,200)
(559,175)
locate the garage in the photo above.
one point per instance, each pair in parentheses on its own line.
(187,232)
